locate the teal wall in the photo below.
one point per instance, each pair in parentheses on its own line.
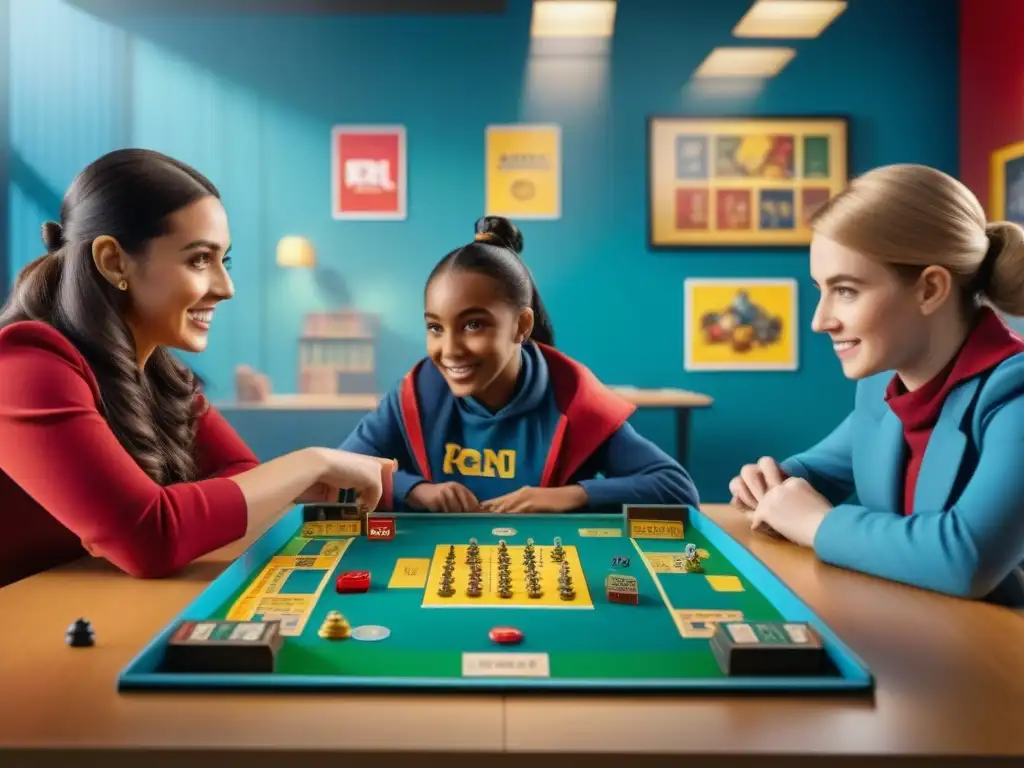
(250,101)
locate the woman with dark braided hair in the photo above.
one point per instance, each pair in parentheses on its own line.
(107,445)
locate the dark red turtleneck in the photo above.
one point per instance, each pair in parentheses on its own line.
(989,344)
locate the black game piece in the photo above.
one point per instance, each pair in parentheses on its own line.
(770,648)
(314,513)
(224,646)
(80,634)
(323,511)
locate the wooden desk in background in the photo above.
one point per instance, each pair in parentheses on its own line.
(679,401)
(950,681)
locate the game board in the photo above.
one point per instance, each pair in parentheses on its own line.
(405,635)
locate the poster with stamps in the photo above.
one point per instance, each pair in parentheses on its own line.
(741,182)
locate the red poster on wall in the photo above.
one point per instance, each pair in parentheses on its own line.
(368,172)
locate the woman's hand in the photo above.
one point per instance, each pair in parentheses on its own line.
(754,481)
(342,469)
(792,509)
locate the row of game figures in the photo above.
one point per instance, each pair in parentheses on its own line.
(474,587)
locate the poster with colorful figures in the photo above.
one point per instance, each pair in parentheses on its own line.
(1006,196)
(741,182)
(740,324)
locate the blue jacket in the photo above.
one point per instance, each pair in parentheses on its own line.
(590,441)
(966,535)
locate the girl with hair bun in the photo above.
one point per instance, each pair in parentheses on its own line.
(923,482)
(107,445)
(494,418)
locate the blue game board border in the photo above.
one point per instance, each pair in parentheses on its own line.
(141,674)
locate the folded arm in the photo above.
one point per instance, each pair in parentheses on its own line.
(966,550)
(636,471)
(828,465)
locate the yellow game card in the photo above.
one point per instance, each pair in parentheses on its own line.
(410,573)
(656,529)
(725,583)
(331,528)
(701,624)
(605,533)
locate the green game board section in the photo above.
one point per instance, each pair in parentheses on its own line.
(611,641)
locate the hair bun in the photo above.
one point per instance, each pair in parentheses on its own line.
(501,231)
(53,236)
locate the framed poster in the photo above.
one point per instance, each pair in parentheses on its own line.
(368,172)
(737,324)
(523,171)
(741,182)
(1006,195)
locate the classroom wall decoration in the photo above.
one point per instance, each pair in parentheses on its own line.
(368,172)
(741,182)
(740,324)
(523,171)
(1006,196)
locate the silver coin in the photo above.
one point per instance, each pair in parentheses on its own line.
(370,633)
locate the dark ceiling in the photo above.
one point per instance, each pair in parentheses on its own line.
(292,7)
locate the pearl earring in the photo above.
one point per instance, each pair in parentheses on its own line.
(122,284)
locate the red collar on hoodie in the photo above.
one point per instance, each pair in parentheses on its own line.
(591,413)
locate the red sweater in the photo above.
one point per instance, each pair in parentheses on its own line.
(68,488)
(989,344)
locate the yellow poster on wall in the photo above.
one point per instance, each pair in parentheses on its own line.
(741,324)
(524,171)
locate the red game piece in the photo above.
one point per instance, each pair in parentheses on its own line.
(380,528)
(353,581)
(505,635)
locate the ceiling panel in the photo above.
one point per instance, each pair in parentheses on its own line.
(291,7)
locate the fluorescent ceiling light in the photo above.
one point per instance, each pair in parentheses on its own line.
(789,18)
(573,18)
(745,62)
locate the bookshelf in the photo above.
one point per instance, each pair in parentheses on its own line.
(338,353)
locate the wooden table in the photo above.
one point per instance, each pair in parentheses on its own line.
(680,401)
(950,682)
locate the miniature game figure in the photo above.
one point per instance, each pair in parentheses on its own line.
(504,584)
(533,585)
(529,557)
(472,552)
(80,634)
(474,589)
(692,559)
(447,586)
(335,627)
(557,554)
(565,587)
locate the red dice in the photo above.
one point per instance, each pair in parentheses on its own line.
(505,635)
(353,581)
(380,528)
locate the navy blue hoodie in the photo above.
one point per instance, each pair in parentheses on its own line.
(561,427)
